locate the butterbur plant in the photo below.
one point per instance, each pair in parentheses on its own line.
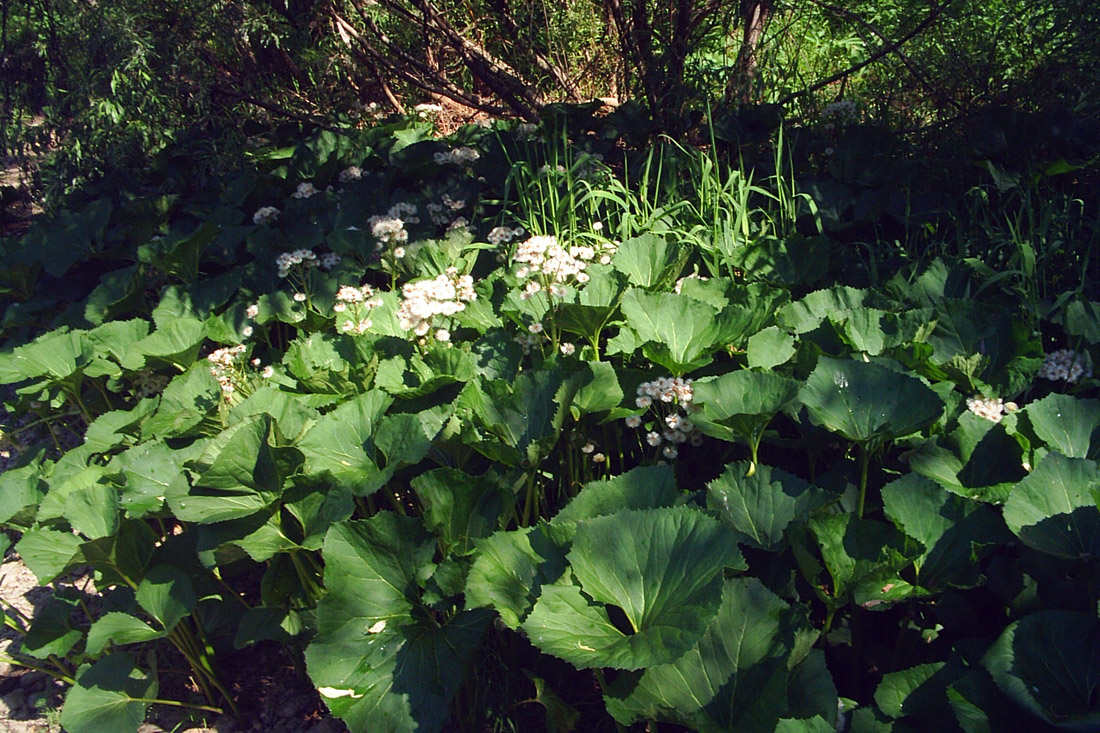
(654,464)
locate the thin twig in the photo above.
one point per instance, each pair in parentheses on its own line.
(936,12)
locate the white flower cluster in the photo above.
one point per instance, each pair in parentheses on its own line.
(147,383)
(528,341)
(843,111)
(390,227)
(349,174)
(986,407)
(671,399)
(459,223)
(225,364)
(503,235)
(527,129)
(440,213)
(547,266)
(457,156)
(265,215)
(307,258)
(423,300)
(305,190)
(287,260)
(356,303)
(1065,365)
(424,110)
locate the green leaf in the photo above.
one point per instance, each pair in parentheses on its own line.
(520,421)
(118,427)
(267,624)
(1053,510)
(811,692)
(119,628)
(56,356)
(186,400)
(47,552)
(683,330)
(816,724)
(661,567)
(337,442)
(176,342)
(21,490)
(167,595)
(149,473)
(863,557)
(1049,663)
(733,678)
(919,692)
(951,529)
(978,460)
(122,557)
(741,403)
(291,414)
(770,348)
(93,510)
(1083,319)
(403,439)
(808,313)
(110,695)
(317,503)
(648,260)
(761,506)
(52,631)
(1066,423)
(460,508)
(113,339)
(865,401)
(511,568)
(378,666)
(642,487)
(598,389)
(245,477)
(321,362)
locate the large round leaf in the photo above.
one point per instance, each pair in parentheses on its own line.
(734,678)
(1049,664)
(761,506)
(744,401)
(380,658)
(1053,509)
(662,568)
(865,401)
(1065,423)
(110,695)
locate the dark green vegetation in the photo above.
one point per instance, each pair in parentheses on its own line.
(783,422)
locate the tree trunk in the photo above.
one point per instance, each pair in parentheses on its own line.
(754,18)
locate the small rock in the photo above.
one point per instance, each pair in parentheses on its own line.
(149,728)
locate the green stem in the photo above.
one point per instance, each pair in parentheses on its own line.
(40,421)
(237,596)
(864,462)
(178,704)
(45,670)
(530,500)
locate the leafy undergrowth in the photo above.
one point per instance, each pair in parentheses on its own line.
(488,436)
